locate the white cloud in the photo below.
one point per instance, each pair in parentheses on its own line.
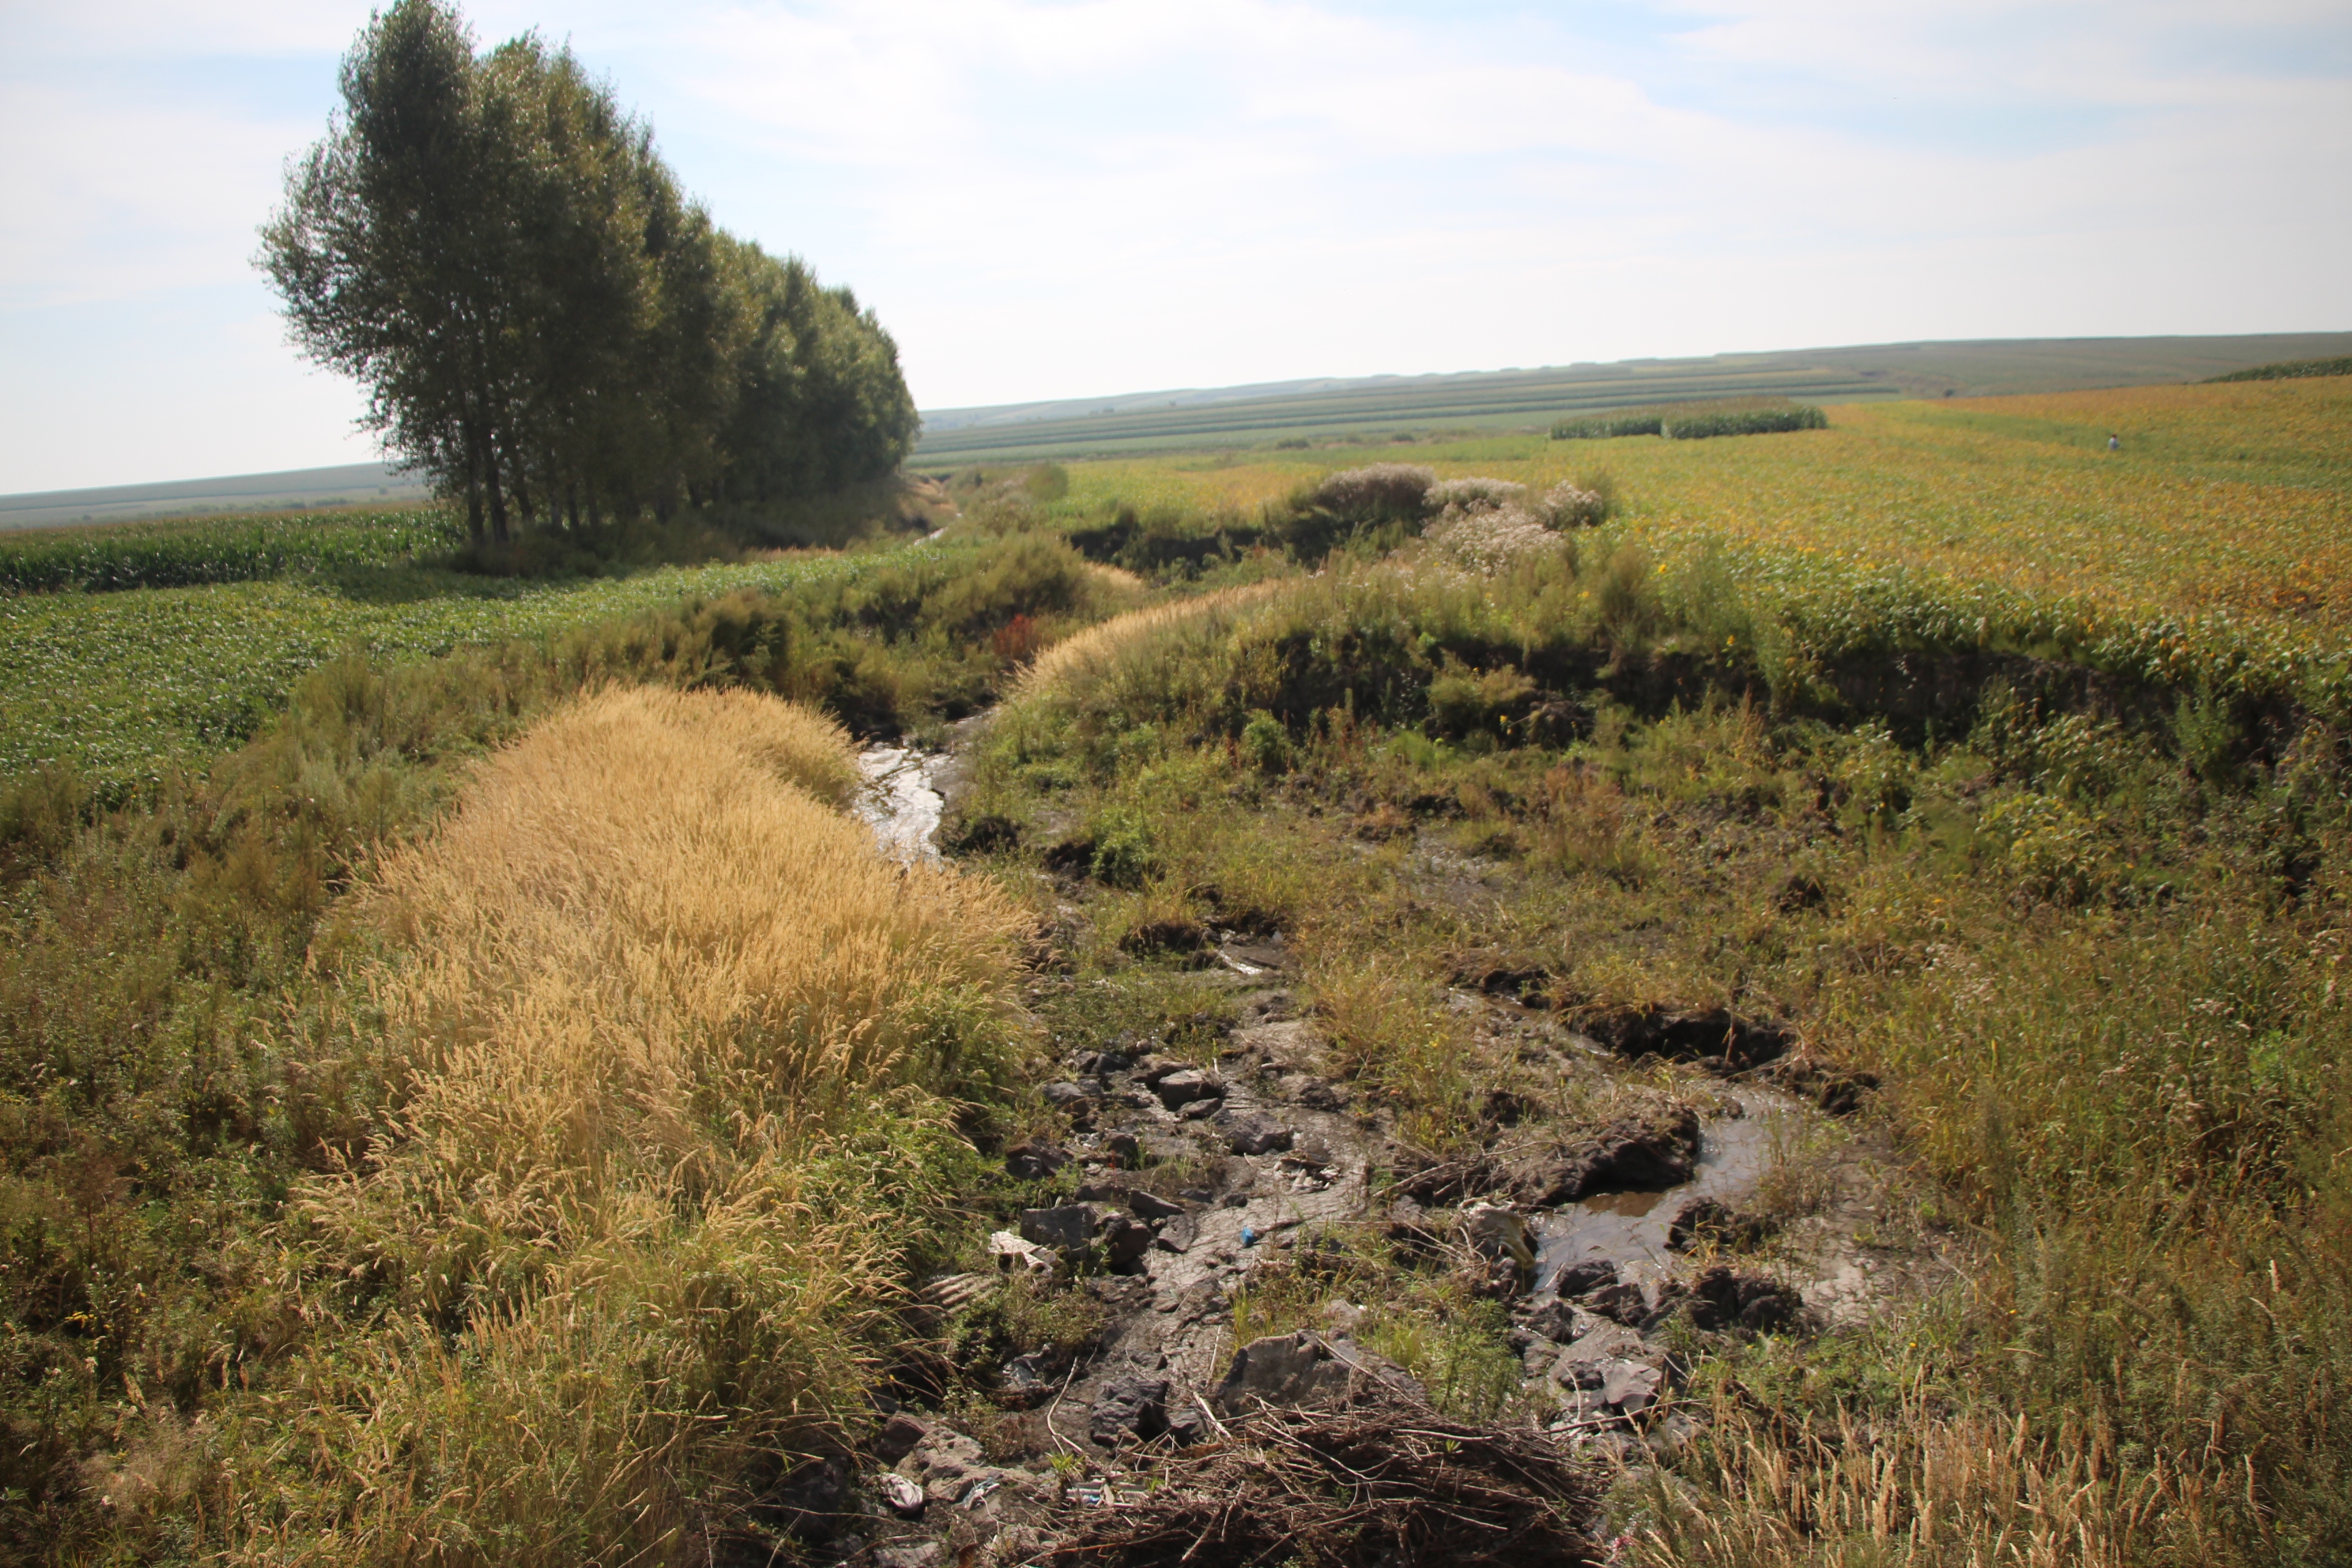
(1051,198)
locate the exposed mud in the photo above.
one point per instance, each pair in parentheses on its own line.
(1195,1173)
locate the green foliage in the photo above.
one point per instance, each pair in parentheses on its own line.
(221,550)
(1698,425)
(1606,426)
(2289,370)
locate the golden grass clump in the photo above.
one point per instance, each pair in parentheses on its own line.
(1092,654)
(674,1048)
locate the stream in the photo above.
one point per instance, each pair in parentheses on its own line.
(903,798)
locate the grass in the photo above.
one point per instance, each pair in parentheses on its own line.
(224,1236)
(2154,1336)
(676,1055)
(492,1112)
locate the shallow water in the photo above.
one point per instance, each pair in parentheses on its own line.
(901,798)
(1630,1228)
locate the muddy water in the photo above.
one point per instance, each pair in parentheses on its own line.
(902,798)
(1630,1228)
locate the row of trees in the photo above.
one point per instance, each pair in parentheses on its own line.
(541,321)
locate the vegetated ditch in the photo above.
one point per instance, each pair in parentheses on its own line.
(1235,1222)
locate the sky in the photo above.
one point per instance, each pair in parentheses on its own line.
(1069,198)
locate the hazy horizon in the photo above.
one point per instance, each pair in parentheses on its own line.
(1042,200)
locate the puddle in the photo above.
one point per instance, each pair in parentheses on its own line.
(1630,1228)
(901,799)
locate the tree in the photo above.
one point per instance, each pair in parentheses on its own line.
(542,322)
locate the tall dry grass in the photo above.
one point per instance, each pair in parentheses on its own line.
(1089,656)
(674,1054)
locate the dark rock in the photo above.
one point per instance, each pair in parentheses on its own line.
(1188,1423)
(1306,1369)
(1704,1220)
(987,834)
(1068,1096)
(1253,1132)
(1125,1241)
(1101,1192)
(809,1503)
(1067,1229)
(1619,1304)
(1129,1408)
(1637,1153)
(1025,1382)
(1582,1278)
(1035,1160)
(1321,1094)
(1201,1110)
(1714,1035)
(1177,1233)
(1123,1147)
(1098,1064)
(1196,1195)
(1151,1205)
(898,1436)
(1554,1322)
(1168,936)
(1718,1298)
(1184,1086)
(910,1554)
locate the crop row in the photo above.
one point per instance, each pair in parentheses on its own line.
(123,685)
(220,550)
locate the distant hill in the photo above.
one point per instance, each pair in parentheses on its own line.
(1327,408)
(1373,408)
(350,484)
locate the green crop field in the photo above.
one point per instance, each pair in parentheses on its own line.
(122,684)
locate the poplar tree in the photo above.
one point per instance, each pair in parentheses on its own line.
(491,246)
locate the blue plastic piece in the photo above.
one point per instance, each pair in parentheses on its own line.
(1249,1236)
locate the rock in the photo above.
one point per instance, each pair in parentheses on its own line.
(810,1500)
(1101,1192)
(1124,1149)
(1720,1299)
(1185,1086)
(1187,1421)
(1013,1251)
(1035,1160)
(1631,1387)
(1637,1153)
(1498,1236)
(1125,1241)
(1584,1278)
(1715,1035)
(899,1437)
(1024,1383)
(1067,1229)
(1151,1205)
(1320,1094)
(1072,1096)
(904,1498)
(1554,1321)
(1252,1133)
(1129,1408)
(1306,1369)
(1177,1233)
(910,1554)
(1704,1220)
(1619,1304)
(1101,1064)
(1201,1110)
